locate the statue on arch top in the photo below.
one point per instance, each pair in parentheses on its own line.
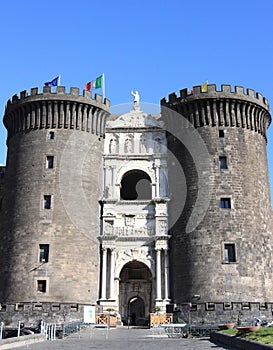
(136,99)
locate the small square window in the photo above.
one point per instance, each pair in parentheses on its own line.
(3,308)
(227,306)
(55,307)
(43,252)
(38,307)
(47,201)
(51,135)
(221,133)
(49,162)
(41,286)
(225,203)
(223,162)
(19,307)
(229,251)
(210,306)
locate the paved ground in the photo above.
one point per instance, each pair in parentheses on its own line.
(124,339)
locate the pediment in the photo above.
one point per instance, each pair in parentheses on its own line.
(135,119)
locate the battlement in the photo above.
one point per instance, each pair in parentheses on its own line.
(238,108)
(58,109)
(59,94)
(238,93)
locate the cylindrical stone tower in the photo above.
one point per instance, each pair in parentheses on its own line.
(221,240)
(49,219)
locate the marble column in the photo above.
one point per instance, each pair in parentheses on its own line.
(112,275)
(104,273)
(158,274)
(157,182)
(166,253)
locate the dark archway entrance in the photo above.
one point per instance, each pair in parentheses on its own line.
(135,290)
(136,312)
(136,185)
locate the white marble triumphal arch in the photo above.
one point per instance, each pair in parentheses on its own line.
(134,232)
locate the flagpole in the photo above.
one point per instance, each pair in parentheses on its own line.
(103,88)
(59,80)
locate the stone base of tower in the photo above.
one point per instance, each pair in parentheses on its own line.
(210,313)
(32,313)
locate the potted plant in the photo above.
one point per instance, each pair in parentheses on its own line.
(157,309)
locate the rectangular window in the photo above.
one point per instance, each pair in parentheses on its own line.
(51,135)
(229,251)
(47,201)
(44,252)
(223,162)
(19,307)
(210,306)
(225,203)
(49,162)
(41,286)
(227,306)
(221,133)
(3,308)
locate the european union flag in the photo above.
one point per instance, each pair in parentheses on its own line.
(54,82)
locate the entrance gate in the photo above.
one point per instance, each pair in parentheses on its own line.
(135,293)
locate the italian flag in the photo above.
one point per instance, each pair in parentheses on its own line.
(94,84)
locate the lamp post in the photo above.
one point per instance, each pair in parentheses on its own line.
(129,309)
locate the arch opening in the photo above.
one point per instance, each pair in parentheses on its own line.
(136,185)
(135,291)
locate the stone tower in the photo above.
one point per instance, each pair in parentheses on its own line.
(220,255)
(49,217)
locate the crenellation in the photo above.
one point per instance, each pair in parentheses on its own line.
(239,90)
(196,90)
(34,91)
(74,91)
(183,93)
(23,94)
(14,98)
(211,88)
(260,97)
(225,88)
(60,89)
(87,93)
(107,102)
(47,89)
(50,110)
(250,93)
(98,98)
(224,107)
(212,92)
(172,97)
(163,101)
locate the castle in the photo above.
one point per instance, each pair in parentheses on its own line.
(136,212)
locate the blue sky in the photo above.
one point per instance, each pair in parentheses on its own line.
(155,47)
